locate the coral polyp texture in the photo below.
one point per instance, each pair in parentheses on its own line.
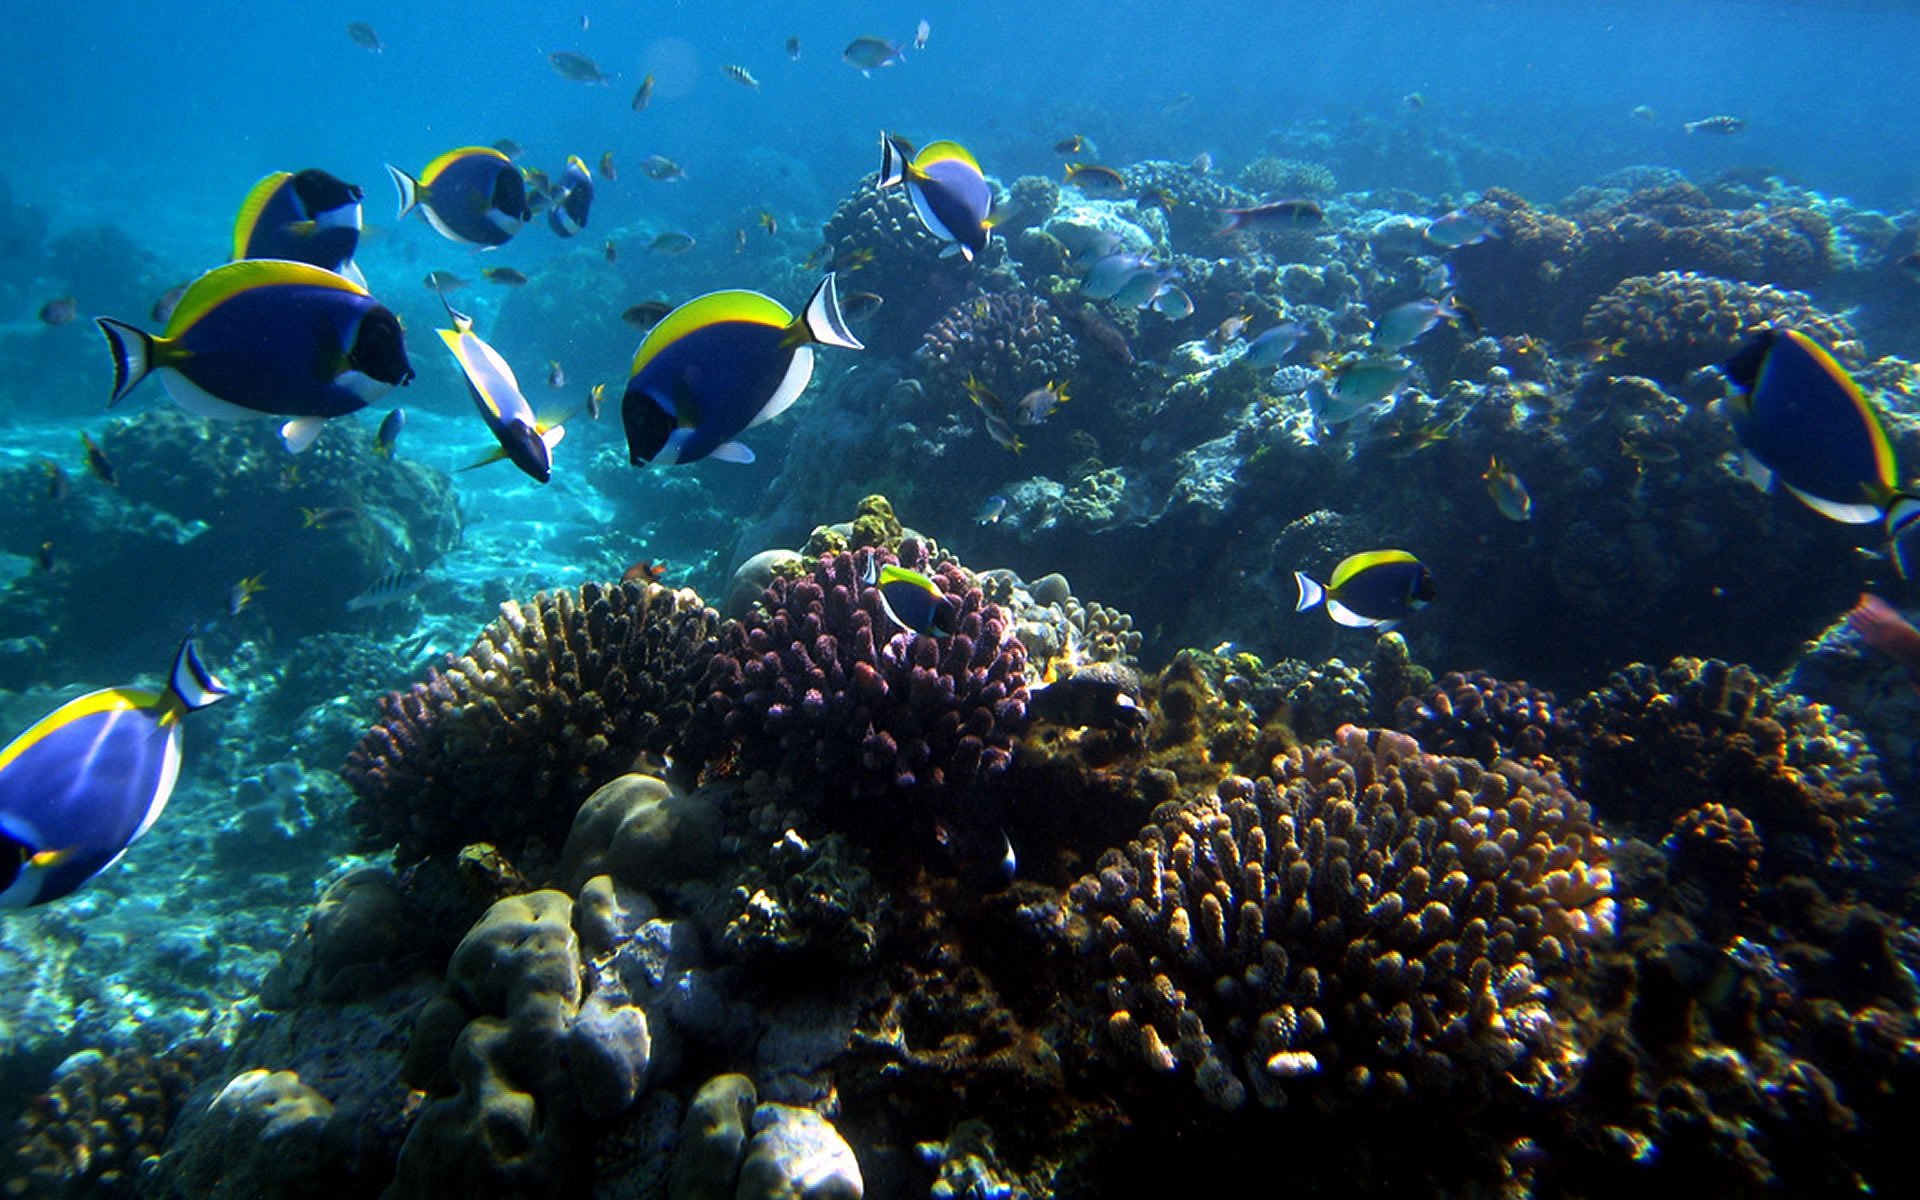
(1672,323)
(1476,715)
(1369,920)
(1659,743)
(1011,342)
(821,684)
(557,696)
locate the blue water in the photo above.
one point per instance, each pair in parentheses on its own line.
(156,122)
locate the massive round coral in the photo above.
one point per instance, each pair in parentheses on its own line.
(1369,920)
(554,698)
(1673,323)
(1010,341)
(820,684)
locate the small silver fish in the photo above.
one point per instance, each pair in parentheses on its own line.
(920,33)
(991,510)
(392,588)
(1271,348)
(1356,387)
(556,378)
(1405,324)
(1718,124)
(577,68)
(1033,408)
(1460,228)
(740,74)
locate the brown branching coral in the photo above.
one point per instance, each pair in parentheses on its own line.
(1661,743)
(1370,920)
(557,696)
(103,1115)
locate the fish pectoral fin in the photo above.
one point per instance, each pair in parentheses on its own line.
(732,452)
(300,432)
(487,459)
(46,860)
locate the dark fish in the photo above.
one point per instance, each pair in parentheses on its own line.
(870,53)
(577,68)
(643,94)
(671,243)
(1460,227)
(646,314)
(949,192)
(770,223)
(474,194)
(1102,333)
(305,216)
(1376,589)
(610,252)
(740,74)
(556,377)
(504,276)
(607,170)
(1718,124)
(88,779)
(793,48)
(242,593)
(61,311)
(573,201)
(719,365)
(523,438)
(991,510)
(1909,266)
(267,336)
(1282,216)
(328,518)
(860,307)
(98,464)
(391,588)
(1077,144)
(644,571)
(57,482)
(364,37)
(661,169)
(1802,420)
(509,147)
(1096,180)
(442,282)
(168,301)
(389,432)
(48,562)
(1414,101)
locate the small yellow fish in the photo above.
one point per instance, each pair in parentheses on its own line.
(769,223)
(243,592)
(1509,494)
(608,171)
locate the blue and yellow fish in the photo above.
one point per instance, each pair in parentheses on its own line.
(496,393)
(306,216)
(719,365)
(473,195)
(1802,420)
(1378,589)
(572,199)
(267,337)
(911,600)
(89,778)
(948,190)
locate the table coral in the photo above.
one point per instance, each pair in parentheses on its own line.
(557,696)
(1369,919)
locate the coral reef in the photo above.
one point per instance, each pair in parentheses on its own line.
(101,1117)
(1474,715)
(556,696)
(876,242)
(1010,341)
(1370,920)
(1673,323)
(820,685)
(1282,178)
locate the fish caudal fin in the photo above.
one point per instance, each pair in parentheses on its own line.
(191,683)
(894,159)
(133,356)
(408,187)
(823,320)
(1903,533)
(1311,593)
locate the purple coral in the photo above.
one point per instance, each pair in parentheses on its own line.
(820,683)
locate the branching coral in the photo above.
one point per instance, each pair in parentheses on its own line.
(556,697)
(1370,919)
(1010,341)
(1673,323)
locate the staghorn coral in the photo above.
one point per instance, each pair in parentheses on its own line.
(1370,920)
(103,1115)
(1010,341)
(554,698)
(1657,744)
(1673,323)
(821,685)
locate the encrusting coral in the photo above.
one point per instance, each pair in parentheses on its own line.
(1369,920)
(556,697)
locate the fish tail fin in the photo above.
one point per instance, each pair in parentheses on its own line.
(1311,593)
(409,189)
(133,355)
(822,321)
(894,160)
(1903,532)
(191,683)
